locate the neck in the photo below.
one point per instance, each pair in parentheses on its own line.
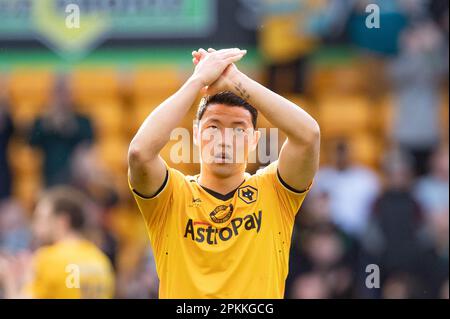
(219,184)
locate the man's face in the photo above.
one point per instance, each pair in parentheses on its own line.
(225,136)
(44,223)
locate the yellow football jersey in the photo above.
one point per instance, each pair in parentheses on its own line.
(71,269)
(211,246)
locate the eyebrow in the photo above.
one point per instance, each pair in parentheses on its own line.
(239,123)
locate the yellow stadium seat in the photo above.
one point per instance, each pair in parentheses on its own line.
(366,149)
(349,79)
(24,159)
(127,224)
(385,115)
(27,191)
(91,84)
(363,75)
(306,104)
(343,116)
(113,153)
(162,81)
(25,110)
(141,108)
(31,84)
(108,117)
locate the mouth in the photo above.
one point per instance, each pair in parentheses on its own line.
(222,158)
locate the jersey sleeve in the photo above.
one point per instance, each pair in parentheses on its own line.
(290,199)
(156,209)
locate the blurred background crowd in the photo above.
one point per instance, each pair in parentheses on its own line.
(380,96)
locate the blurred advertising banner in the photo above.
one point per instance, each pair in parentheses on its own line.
(74,27)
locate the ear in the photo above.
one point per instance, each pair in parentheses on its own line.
(196,130)
(255,140)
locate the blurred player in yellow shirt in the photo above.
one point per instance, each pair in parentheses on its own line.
(223,233)
(67,266)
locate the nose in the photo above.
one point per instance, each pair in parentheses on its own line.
(227,137)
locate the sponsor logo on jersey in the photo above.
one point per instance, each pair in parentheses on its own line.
(221,213)
(200,232)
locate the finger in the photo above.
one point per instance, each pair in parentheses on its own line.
(233,54)
(237,56)
(223,51)
(202,52)
(196,55)
(229,52)
(210,50)
(233,59)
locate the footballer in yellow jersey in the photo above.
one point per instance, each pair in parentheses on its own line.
(223,233)
(67,265)
(71,269)
(231,246)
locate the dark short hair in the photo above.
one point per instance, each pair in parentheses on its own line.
(69,202)
(229,99)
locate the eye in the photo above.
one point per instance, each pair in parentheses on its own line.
(239,130)
(212,127)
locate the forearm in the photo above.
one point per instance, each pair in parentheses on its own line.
(296,123)
(154,133)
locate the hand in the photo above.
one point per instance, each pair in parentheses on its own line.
(215,68)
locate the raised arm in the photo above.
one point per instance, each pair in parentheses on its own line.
(299,156)
(145,167)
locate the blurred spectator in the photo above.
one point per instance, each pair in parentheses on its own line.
(288,36)
(310,286)
(432,190)
(89,176)
(15,234)
(327,253)
(352,189)
(58,228)
(319,246)
(438,235)
(58,133)
(142,282)
(397,217)
(399,286)
(416,76)
(439,11)
(404,244)
(6,133)
(433,255)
